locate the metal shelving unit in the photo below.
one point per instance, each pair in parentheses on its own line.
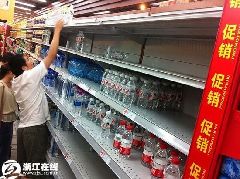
(81,160)
(174,128)
(64,170)
(123,168)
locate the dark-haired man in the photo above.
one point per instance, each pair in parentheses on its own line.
(32,134)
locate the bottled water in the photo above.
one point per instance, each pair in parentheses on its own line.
(105,124)
(153,99)
(104,80)
(126,142)
(144,94)
(115,121)
(78,101)
(148,151)
(108,82)
(117,82)
(90,108)
(160,162)
(101,112)
(95,109)
(129,92)
(112,84)
(79,41)
(118,135)
(172,171)
(137,137)
(118,85)
(123,85)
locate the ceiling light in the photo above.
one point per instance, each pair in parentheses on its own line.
(23,8)
(142,7)
(25,4)
(103,12)
(42,0)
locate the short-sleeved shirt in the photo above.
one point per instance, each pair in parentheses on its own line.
(30,96)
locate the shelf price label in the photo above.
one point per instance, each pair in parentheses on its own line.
(105,157)
(129,114)
(218,97)
(92,91)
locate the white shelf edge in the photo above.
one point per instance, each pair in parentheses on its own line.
(63,148)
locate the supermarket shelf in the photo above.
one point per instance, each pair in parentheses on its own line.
(183,79)
(131,168)
(63,169)
(76,152)
(174,128)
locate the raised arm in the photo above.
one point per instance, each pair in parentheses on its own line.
(54,44)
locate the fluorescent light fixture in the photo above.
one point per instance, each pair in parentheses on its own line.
(42,0)
(103,12)
(23,8)
(25,4)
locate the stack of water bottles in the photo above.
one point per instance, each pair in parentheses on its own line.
(83,68)
(130,89)
(60,60)
(163,161)
(230,169)
(50,78)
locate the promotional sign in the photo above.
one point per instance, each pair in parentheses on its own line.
(7,10)
(211,119)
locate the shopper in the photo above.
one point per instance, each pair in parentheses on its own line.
(8,108)
(32,134)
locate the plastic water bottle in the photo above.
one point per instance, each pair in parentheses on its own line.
(126,142)
(144,94)
(148,152)
(118,135)
(64,89)
(90,108)
(160,162)
(123,85)
(78,100)
(105,124)
(95,109)
(130,92)
(104,80)
(113,84)
(108,82)
(153,98)
(115,121)
(85,103)
(172,171)
(79,41)
(101,112)
(137,137)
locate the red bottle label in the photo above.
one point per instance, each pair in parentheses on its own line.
(125,151)
(157,173)
(147,159)
(116,144)
(136,143)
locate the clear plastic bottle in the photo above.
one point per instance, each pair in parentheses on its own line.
(105,124)
(115,121)
(148,151)
(108,82)
(118,135)
(104,80)
(95,109)
(172,171)
(101,113)
(153,99)
(126,142)
(160,162)
(79,41)
(130,92)
(78,101)
(85,103)
(118,80)
(123,85)
(90,108)
(144,94)
(137,137)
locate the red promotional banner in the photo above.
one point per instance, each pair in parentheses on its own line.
(211,119)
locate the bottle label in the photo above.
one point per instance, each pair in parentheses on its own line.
(157,172)
(127,92)
(137,140)
(125,147)
(152,96)
(116,144)
(147,156)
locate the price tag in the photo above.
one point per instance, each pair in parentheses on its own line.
(83,86)
(105,157)
(129,114)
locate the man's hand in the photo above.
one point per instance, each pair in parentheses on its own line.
(59,25)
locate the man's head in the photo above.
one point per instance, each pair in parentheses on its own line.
(18,63)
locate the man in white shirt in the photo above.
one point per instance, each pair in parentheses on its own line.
(33,135)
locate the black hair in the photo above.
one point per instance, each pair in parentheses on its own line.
(15,63)
(4,69)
